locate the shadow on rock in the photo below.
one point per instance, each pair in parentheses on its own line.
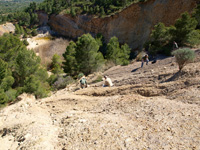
(134,70)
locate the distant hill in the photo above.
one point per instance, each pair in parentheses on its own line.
(10,6)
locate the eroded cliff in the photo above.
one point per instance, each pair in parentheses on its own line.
(132,25)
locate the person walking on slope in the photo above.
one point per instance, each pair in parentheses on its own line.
(107,82)
(175,45)
(145,58)
(83,82)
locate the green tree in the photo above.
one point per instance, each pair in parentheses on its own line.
(34,32)
(160,34)
(193,38)
(3,69)
(88,57)
(113,52)
(183,28)
(102,12)
(18,66)
(27,63)
(196,15)
(97,9)
(183,57)
(34,19)
(160,37)
(70,63)
(25,42)
(125,54)
(33,85)
(3,97)
(11,94)
(17,29)
(7,83)
(73,12)
(23,19)
(56,64)
(10,45)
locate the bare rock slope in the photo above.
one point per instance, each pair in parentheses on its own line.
(153,107)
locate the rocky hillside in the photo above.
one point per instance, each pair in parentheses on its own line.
(153,107)
(132,25)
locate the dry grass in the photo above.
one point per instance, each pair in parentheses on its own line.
(46,51)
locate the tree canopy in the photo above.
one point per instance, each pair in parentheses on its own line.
(19,68)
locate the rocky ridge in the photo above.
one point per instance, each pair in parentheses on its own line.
(132,25)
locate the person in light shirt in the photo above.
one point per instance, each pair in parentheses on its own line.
(107,82)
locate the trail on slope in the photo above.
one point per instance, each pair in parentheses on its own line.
(148,108)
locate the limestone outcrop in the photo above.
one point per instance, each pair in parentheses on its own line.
(132,25)
(7,28)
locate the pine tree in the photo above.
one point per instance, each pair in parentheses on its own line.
(73,12)
(17,29)
(125,51)
(102,12)
(3,69)
(70,64)
(27,63)
(88,57)
(113,52)
(56,64)
(183,27)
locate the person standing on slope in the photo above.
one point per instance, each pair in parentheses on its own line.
(175,45)
(145,58)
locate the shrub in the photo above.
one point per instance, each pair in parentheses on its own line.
(3,97)
(62,82)
(73,12)
(52,79)
(34,85)
(7,82)
(183,57)
(25,42)
(34,32)
(11,94)
(80,75)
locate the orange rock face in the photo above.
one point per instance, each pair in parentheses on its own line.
(132,25)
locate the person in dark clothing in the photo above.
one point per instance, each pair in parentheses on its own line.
(145,58)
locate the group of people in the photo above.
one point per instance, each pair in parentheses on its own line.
(107,82)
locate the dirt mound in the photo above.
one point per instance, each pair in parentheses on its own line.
(154,107)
